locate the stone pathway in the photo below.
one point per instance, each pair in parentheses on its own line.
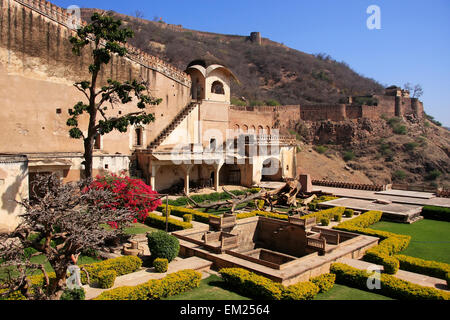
(373,195)
(416,278)
(146,274)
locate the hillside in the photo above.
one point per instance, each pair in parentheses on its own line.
(370,151)
(270,71)
(373,151)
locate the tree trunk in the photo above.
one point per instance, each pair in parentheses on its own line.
(88,154)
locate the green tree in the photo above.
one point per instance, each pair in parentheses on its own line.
(107,38)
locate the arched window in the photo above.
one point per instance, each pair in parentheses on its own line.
(260,130)
(245,128)
(267,130)
(217,87)
(252,129)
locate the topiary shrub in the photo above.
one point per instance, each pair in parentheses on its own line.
(106,278)
(324,221)
(161,265)
(187,218)
(74,294)
(163,245)
(165,211)
(337,217)
(349,213)
(312,206)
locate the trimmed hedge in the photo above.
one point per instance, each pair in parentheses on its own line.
(327,213)
(390,286)
(262,214)
(159,222)
(161,265)
(251,284)
(436,213)
(187,218)
(121,265)
(301,291)
(180,212)
(325,281)
(172,284)
(259,287)
(391,242)
(163,245)
(430,268)
(106,278)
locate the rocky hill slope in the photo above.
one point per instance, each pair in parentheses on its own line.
(267,72)
(365,151)
(377,151)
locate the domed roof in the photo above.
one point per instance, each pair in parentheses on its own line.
(208,65)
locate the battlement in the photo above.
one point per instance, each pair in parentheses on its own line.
(63,18)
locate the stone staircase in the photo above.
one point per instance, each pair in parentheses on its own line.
(175,122)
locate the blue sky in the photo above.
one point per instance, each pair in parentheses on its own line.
(413,44)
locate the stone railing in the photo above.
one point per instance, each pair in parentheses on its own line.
(229,241)
(331,237)
(305,223)
(222,222)
(409,187)
(62,17)
(316,243)
(349,185)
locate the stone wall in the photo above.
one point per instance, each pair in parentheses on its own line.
(318,112)
(37,74)
(13,186)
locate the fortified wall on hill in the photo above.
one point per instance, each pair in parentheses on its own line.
(394,103)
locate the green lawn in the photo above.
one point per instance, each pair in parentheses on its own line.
(211,288)
(138,228)
(340,292)
(430,239)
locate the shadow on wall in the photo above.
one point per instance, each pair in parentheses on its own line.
(9,204)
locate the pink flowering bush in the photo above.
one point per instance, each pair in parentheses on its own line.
(130,193)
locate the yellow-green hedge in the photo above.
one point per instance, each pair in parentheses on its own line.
(390,286)
(181,211)
(325,281)
(172,284)
(327,213)
(390,244)
(253,285)
(121,265)
(106,278)
(154,220)
(300,291)
(427,267)
(262,214)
